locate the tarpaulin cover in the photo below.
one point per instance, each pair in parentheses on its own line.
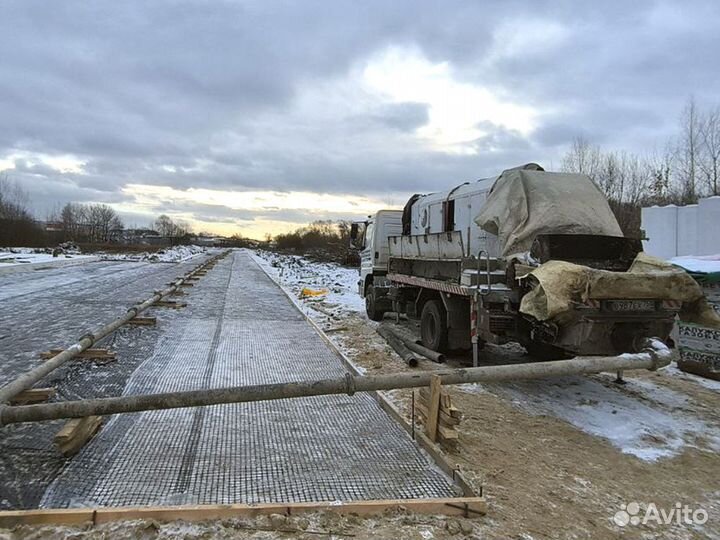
(524,203)
(557,285)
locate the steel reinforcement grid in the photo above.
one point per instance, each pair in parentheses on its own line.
(241,329)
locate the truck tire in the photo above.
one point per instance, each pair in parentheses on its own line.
(371,308)
(433,326)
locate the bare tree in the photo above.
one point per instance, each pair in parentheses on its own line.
(582,158)
(710,143)
(687,151)
(165,225)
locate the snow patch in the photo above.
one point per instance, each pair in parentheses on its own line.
(296,273)
(168,255)
(705,264)
(641,418)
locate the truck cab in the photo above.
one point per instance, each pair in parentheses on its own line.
(370,237)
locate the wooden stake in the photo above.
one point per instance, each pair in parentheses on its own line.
(433,408)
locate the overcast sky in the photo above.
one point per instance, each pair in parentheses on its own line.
(261,116)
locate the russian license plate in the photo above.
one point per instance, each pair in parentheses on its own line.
(631,305)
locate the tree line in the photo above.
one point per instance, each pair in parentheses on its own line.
(687,169)
(87,223)
(325,239)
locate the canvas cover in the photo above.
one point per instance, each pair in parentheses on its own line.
(558,284)
(524,203)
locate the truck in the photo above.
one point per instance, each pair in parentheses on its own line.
(528,256)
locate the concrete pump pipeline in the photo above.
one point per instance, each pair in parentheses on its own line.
(653,356)
(28,380)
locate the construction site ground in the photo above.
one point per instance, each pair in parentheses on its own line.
(556,459)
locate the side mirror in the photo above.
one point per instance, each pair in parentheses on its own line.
(357,235)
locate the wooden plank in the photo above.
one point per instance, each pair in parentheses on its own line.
(76,433)
(92,354)
(60,516)
(445,402)
(170,304)
(33,395)
(459,506)
(443,418)
(433,408)
(143,321)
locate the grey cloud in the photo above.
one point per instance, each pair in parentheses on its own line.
(404,116)
(133,88)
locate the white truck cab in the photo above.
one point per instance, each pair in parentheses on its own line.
(371,238)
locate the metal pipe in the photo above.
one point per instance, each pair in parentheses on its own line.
(435,356)
(397,344)
(654,356)
(28,379)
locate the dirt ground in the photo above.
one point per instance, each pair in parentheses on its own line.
(542,475)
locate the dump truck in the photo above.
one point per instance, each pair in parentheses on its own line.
(529,256)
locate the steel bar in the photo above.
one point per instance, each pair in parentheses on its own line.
(28,379)
(653,356)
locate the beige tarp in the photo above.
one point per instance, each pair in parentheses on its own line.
(524,203)
(559,284)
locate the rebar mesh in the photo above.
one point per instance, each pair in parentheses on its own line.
(240,329)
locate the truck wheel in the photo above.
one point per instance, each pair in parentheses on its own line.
(433,327)
(371,308)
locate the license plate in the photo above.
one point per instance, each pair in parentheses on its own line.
(631,305)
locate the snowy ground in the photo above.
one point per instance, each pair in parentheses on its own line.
(169,255)
(296,273)
(704,264)
(13,258)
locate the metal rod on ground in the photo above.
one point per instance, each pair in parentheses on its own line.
(396,343)
(28,379)
(418,348)
(654,355)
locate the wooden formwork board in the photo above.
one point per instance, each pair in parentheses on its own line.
(33,395)
(460,506)
(170,304)
(92,354)
(143,321)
